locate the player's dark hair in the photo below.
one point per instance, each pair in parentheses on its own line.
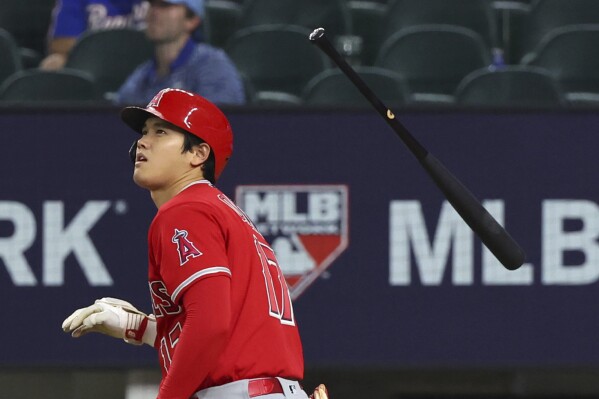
(190,141)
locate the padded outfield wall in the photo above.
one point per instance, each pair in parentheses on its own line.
(383,271)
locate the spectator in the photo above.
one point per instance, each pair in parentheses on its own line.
(179,61)
(74,17)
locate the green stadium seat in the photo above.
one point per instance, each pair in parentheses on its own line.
(10,60)
(110,56)
(515,86)
(39,86)
(220,23)
(570,54)
(367,22)
(276,57)
(333,15)
(477,15)
(434,59)
(547,15)
(333,88)
(28,21)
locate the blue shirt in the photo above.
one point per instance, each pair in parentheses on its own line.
(199,68)
(73,17)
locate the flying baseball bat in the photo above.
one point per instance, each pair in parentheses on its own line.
(490,232)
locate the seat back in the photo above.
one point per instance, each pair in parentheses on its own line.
(512,17)
(547,15)
(27,21)
(570,54)
(512,86)
(434,59)
(477,15)
(221,21)
(367,23)
(10,60)
(276,57)
(333,15)
(333,88)
(36,85)
(110,56)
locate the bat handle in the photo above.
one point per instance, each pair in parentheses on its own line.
(319,38)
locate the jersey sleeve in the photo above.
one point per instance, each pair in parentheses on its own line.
(203,337)
(70,20)
(189,244)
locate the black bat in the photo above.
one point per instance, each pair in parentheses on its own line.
(491,233)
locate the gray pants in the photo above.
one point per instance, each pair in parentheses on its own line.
(239,390)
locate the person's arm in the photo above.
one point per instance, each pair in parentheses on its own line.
(58,53)
(203,337)
(69,23)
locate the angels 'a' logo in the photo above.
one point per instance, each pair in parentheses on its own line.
(185,247)
(306,226)
(155,102)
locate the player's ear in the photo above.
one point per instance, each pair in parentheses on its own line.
(200,152)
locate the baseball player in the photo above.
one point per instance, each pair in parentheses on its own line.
(223,321)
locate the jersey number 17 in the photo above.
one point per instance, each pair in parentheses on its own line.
(279,298)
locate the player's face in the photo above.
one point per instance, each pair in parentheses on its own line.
(168,22)
(160,163)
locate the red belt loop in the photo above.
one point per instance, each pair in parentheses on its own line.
(264,386)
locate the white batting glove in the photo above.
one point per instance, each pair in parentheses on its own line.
(113,317)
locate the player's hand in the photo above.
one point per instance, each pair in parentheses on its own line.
(320,392)
(109,316)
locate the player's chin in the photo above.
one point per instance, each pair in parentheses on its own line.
(142,179)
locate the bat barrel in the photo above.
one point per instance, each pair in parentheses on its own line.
(490,232)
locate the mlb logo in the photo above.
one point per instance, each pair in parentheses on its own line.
(306,226)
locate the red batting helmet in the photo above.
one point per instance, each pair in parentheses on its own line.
(191,113)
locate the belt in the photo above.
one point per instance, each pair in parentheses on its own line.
(264,386)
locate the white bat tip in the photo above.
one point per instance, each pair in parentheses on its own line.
(317,34)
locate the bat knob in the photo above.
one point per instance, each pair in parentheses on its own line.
(317,34)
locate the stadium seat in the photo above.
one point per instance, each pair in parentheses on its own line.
(547,15)
(109,56)
(269,99)
(276,99)
(367,21)
(276,57)
(433,59)
(222,18)
(510,87)
(570,54)
(477,15)
(333,15)
(371,1)
(333,88)
(28,22)
(511,17)
(36,85)
(10,60)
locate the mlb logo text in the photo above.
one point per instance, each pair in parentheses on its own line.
(306,225)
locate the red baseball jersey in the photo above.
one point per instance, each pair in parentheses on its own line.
(201,233)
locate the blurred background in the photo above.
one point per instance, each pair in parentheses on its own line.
(395,296)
